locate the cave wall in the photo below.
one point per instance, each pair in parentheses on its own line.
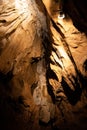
(43,65)
(23,30)
(77,11)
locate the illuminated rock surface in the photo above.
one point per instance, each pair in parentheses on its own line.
(43,66)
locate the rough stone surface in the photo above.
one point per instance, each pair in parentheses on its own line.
(43,66)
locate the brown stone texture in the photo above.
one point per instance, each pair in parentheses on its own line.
(43,65)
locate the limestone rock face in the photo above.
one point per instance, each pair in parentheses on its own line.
(23,29)
(43,66)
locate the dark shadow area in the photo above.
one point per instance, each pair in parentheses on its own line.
(50,91)
(83,81)
(73,96)
(77,9)
(51,74)
(85,65)
(5,78)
